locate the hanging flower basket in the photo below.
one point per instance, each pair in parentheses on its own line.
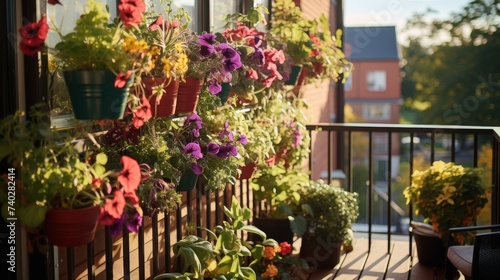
(188,181)
(294,75)
(167,105)
(94,96)
(188,95)
(71,227)
(224,93)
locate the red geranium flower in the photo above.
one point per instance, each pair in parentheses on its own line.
(130,13)
(285,248)
(54,2)
(143,114)
(157,24)
(33,35)
(130,176)
(138,4)
(132,198)
(115,206)
(121,79)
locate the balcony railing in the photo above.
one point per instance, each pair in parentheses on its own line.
(149,252)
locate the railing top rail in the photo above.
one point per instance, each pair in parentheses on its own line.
(405,128)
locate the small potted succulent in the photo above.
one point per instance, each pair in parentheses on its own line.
(446,195)
(334,212)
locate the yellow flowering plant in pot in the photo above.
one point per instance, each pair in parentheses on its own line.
(447,195)
(163,34)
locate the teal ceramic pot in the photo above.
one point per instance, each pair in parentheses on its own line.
(294,75)
(188,181)
(94,96)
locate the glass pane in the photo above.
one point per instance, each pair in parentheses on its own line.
(191,6)
(218,11)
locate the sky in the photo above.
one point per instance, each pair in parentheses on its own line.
(395,12)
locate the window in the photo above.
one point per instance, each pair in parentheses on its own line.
(191,6)
(218,11)
(376,80)
(376,111)
(348,83)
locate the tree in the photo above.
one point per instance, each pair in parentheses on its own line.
(457,79)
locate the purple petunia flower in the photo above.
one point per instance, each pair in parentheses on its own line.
(214,86)
(196,168)
(258,55)
(224,152)
(231,64)
(232,150)
(193,149)
(196,132)
(207,39)
(117,226)
(206,50)
(134,222)
(243,139)
(213,148)
(194,118)
(229,135)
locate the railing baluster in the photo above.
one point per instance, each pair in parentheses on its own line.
(329,157)
(90,260)
(410,206)
(166,234)
(108,241)
(140,252)
(349,162)
(178,222)
(453,137)
(154,225)
(70,258)
(126,254)
(370,189)
(389,191)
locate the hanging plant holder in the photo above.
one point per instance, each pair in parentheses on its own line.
(94,96)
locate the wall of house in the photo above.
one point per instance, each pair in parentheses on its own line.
(319,96)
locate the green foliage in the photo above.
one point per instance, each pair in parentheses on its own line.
(93,44)
(461,67)
(52,173)
(334,210)
(225,258)
(290,27)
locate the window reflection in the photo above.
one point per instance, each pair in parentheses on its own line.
(219,9)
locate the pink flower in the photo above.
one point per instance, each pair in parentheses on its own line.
(285,248)
(121,79)
(114,207)
(131,11)
(252,74)
(33,36)
(130,176)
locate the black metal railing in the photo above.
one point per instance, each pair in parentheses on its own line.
(148,253)
(430,142)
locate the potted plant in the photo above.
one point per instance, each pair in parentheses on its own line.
(327,59)
(147,144)
(291,27)
(283,214)
(334,211)
(225,258)
(163,37)
(62,192)
(446,195)
(98,67)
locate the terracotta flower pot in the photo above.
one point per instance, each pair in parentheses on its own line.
(71,227)
(247,171)
(167,105)
(188,95)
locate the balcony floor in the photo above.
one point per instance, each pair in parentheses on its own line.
(378,264)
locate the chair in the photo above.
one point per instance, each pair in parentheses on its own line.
(478,261)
